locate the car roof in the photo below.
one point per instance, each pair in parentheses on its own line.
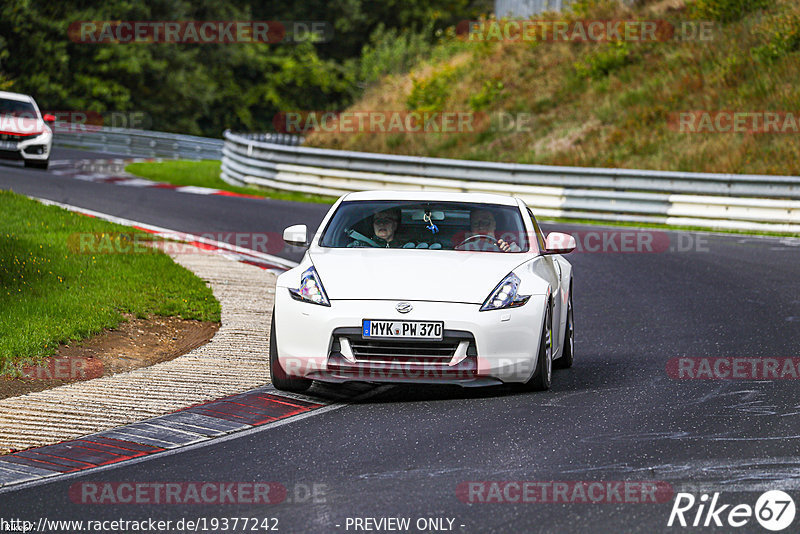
(15,96)
(432,196)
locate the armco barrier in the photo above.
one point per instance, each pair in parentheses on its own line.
(143,143)
(725,201)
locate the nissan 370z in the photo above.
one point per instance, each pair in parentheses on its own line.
(424,287)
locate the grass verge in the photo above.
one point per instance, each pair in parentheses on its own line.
(52,292)
(206,174)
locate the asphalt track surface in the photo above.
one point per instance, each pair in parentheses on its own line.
(405,451)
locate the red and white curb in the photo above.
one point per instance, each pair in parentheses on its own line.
(112,171)
(229,417)
(241,254)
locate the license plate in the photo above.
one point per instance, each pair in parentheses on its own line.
(372,328)
(8,145)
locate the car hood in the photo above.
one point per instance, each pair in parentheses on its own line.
(21,125)
(403,274)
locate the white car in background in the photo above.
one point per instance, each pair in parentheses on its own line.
(449,306)
(24,133)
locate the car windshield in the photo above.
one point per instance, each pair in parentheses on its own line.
(17,108)
(466,226)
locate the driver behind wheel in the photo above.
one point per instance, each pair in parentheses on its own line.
(384,230)
(483,223)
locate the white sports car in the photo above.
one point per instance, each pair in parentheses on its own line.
(24,132)
(424,287)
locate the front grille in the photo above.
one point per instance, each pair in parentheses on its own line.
(395,351)
(401,352)
(13,137)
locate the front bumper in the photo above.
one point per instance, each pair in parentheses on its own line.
(37,148)
(488,348)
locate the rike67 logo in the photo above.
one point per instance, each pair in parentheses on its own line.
(774,510)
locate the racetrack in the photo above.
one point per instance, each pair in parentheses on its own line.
(406,450)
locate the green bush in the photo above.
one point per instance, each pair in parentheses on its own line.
(430,94)
(782,36)
(391,51)
(726,10)
(607,59)
(489,93)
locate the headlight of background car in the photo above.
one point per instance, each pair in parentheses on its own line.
(310,289)
(505,295)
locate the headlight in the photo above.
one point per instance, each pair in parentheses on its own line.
(505,295)
(310,289)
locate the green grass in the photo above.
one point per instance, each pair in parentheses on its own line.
(52,292)
(206,174)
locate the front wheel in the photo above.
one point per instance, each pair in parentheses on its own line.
(277,375)
(541,379)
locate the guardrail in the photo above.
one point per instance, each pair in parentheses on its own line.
(144,143)
(129,142)
(724,201)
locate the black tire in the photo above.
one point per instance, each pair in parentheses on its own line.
(541,379)
(36,164)
(568,353)
(276,373)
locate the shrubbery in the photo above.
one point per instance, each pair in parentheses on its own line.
(605,60)
(726,10)
(430,94)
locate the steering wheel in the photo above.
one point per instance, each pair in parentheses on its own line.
(478,236)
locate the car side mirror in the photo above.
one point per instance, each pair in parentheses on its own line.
(558,243)
(49,118)
(296,235)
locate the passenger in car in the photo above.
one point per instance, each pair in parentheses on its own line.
(384,231)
